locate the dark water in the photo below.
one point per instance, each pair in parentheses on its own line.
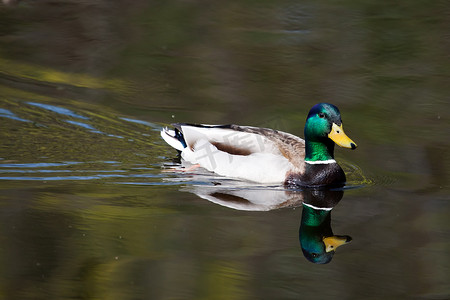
(88,211)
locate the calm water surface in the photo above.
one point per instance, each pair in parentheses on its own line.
(90,208)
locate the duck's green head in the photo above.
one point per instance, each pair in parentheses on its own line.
(323,128)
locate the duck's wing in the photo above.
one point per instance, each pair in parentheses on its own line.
(245,140)
(256,154)
(290,146)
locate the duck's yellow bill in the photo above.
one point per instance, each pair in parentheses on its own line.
(333,242)
(338,136)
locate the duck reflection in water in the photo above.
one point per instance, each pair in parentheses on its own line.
(316,236)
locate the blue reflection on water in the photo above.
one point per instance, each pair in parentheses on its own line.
(92,129)
(39,165)
(84,125)
(97,176)
(39,169)
(59,110)
(61,171)
(10,115)
(142,122)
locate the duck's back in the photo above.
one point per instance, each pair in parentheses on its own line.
(252,153)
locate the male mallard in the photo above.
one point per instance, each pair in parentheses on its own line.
(316,237)
(266,155)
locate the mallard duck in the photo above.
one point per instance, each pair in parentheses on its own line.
(316,237)
(266,155)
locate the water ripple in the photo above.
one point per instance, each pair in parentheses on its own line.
(37,171)
(142,123)
(10,115)
(39,165)
(92,129)
(59,110)
(85,177)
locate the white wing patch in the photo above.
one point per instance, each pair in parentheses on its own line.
(239,154)
(250,142)
(258,167)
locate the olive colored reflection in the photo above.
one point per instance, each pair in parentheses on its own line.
(316,237)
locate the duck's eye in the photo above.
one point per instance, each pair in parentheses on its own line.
(314,255)
(321,115)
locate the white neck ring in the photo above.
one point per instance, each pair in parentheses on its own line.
(320,162)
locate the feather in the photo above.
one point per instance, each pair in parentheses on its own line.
(170,137)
